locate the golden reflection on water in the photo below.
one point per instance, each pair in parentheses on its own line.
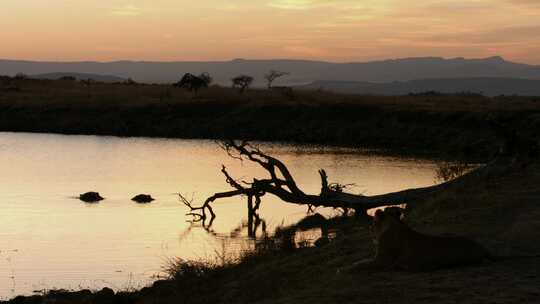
(49,239)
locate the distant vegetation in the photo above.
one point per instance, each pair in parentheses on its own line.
(454,124)
(487,86)
(439,94)
(242,82)
(79,76)
(272,75)
(194,83)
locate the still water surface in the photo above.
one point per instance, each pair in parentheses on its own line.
(49,239)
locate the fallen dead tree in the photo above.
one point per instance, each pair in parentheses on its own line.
(281,183)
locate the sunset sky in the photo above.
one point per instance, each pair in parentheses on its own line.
(342,30)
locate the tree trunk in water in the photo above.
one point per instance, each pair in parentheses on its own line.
(281,183)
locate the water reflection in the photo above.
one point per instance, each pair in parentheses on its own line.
(48,239)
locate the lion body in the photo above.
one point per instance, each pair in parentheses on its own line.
(398,246)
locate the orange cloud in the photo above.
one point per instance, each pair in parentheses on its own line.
(126,10)
(340,30)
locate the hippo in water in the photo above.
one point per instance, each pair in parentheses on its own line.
(91,197)
(143,198)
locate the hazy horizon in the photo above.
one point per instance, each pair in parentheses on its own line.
(337,31)
(301,72)
(263,59)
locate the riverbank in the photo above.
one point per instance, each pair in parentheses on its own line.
(450,126)
(499,209)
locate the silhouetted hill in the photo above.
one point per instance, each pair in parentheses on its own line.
(302,71)
(489,86)
(79,76)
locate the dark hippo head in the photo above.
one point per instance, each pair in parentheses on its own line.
(91,197)
(143,198)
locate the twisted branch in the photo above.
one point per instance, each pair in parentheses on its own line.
(281,183)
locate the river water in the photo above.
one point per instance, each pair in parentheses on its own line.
(49,239)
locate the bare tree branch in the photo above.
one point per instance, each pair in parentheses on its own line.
(282,184)
(273,75)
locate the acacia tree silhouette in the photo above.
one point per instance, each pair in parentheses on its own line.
(272,75)
(242,82)
(193,82)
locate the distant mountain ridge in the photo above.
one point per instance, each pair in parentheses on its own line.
(489,86)
(301,71)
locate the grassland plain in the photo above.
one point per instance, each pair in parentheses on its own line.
(443,125)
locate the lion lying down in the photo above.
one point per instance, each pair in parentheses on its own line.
(400,247)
